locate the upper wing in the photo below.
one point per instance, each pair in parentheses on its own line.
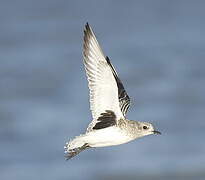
(101,82)
(124,99)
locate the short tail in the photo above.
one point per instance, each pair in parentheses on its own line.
(74,147)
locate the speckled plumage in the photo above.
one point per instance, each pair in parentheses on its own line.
(109,103)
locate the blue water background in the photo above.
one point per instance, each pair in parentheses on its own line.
(158,49)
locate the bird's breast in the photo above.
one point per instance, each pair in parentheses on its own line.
(107,137)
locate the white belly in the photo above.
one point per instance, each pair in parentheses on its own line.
(106,137)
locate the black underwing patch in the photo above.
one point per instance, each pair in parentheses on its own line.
(106,119)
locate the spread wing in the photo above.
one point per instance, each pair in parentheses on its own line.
(124,99)
(101,81)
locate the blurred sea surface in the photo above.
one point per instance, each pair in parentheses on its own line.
(158,49)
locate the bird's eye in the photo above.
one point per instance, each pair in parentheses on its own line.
(145,127)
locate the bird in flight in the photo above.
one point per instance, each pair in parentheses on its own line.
(109,103)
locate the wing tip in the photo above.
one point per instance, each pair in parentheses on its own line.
(87,29)
(87,32)
(87,24)
(87,38)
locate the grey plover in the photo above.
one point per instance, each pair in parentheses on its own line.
(109,103)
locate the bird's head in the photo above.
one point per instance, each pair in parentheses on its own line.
(145,128)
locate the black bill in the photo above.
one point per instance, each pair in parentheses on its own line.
(156,132)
